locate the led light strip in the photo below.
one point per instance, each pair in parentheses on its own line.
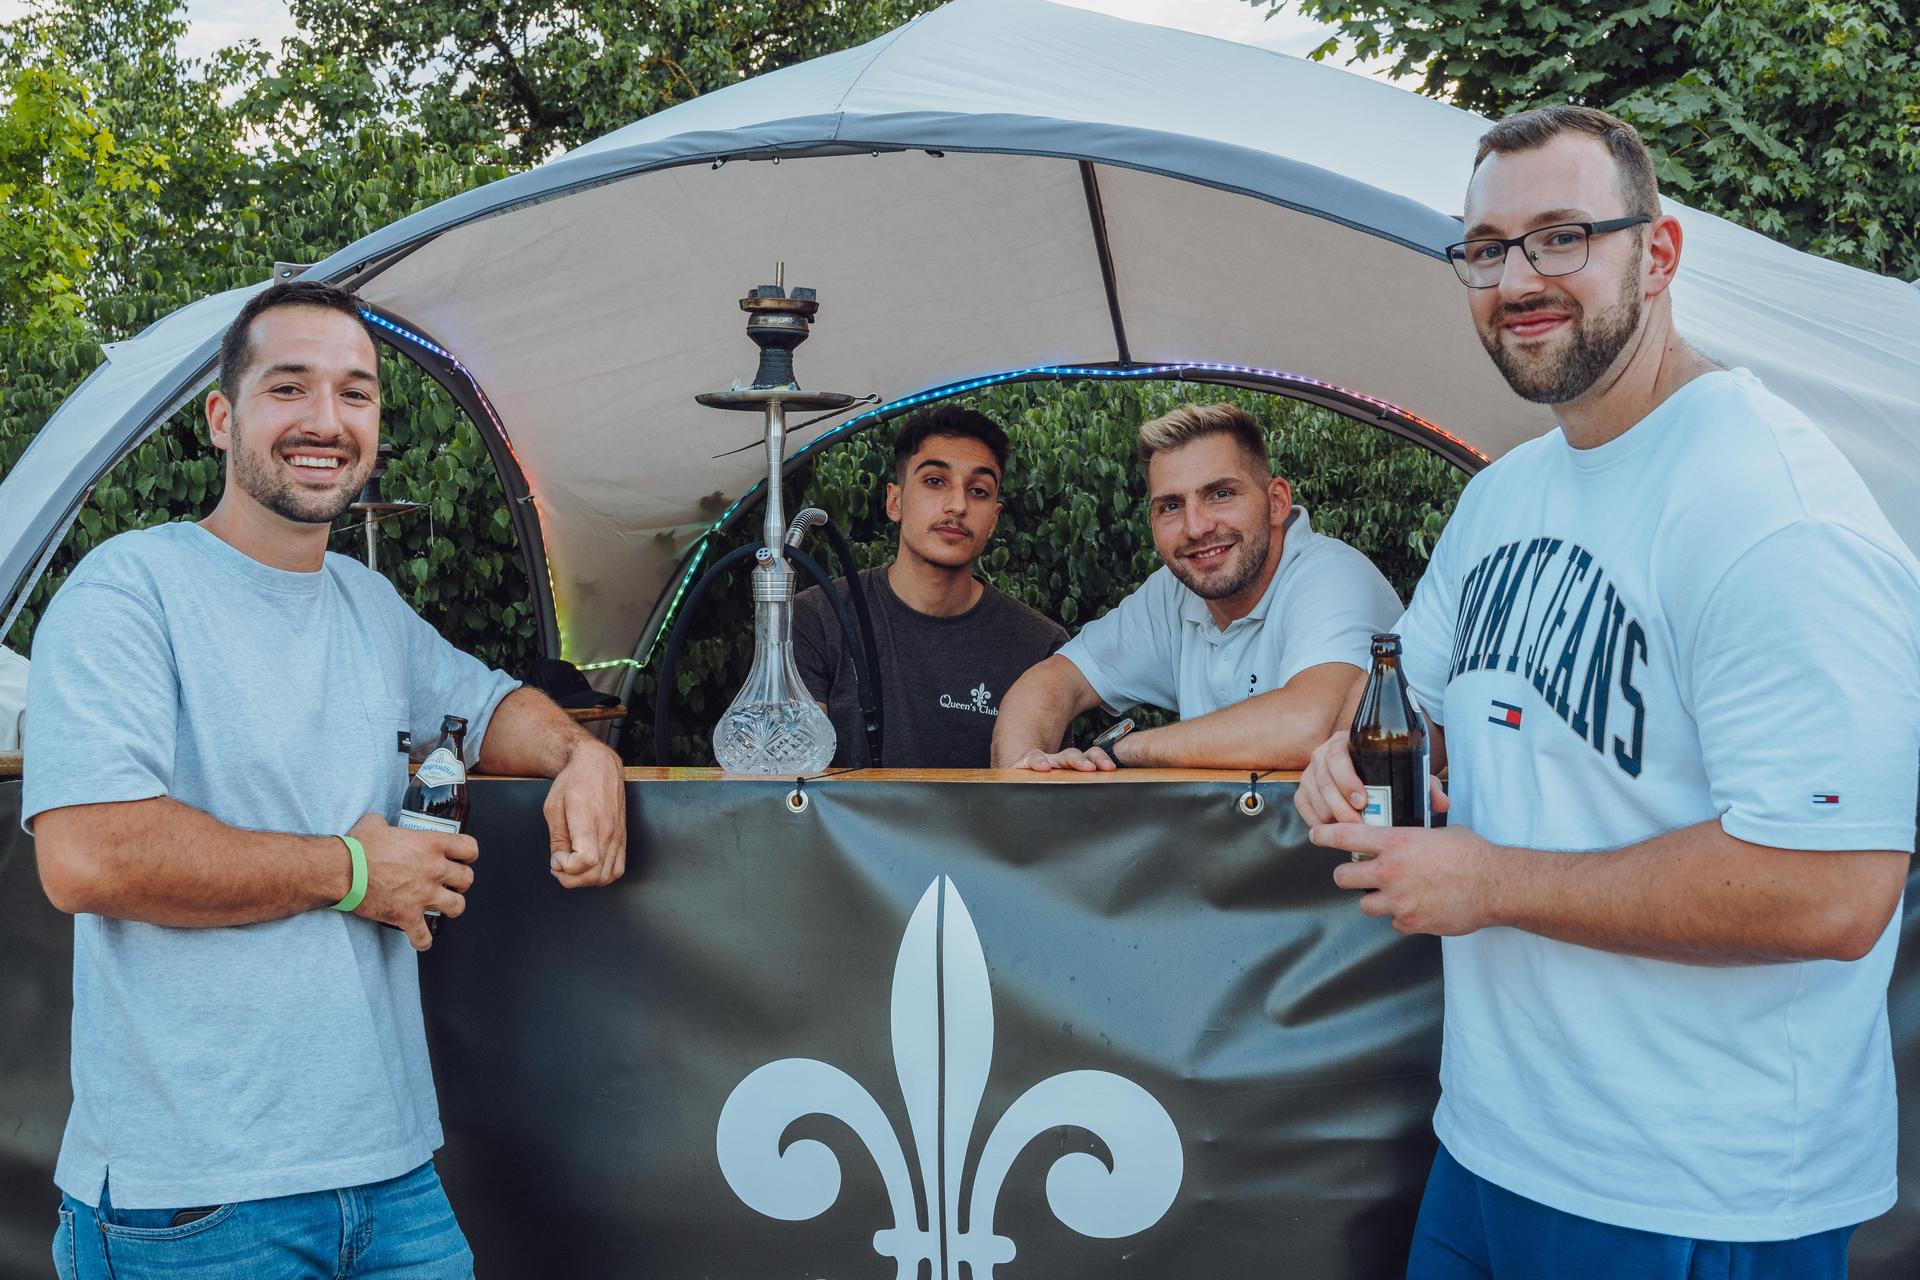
(499,430)
(698,553)
(1054,372)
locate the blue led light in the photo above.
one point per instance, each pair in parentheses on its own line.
(416,339)
(1056,371)
(698,554)
(499,427)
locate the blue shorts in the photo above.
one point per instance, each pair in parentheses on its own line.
(1470,1229)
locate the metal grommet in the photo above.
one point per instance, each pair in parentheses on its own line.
(797,799)
(1251,802)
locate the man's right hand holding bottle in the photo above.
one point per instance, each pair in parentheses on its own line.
(410,872)
(1330,789)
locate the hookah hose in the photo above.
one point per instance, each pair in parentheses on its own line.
(873,710)
(677,637)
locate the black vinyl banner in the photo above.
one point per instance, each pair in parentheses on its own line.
(906,1031)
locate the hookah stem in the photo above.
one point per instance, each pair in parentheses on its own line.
(775,522)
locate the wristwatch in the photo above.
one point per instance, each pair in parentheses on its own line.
(1112,734)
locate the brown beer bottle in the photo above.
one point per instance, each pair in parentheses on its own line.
(1389,743)
(436,798)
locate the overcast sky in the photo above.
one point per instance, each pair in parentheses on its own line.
(216,23)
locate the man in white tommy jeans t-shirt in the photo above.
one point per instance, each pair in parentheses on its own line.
(1672,654)
(1252,629)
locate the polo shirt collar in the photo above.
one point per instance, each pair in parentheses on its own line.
(1298,528)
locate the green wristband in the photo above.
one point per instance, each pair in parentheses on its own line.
(358,890)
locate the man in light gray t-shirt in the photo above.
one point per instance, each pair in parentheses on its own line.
(217,732)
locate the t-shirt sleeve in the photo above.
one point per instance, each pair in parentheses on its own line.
(817,659)
(1126,654)
(103,702)
(1334,615)
(1426,634)
(1805,682)
(445,681)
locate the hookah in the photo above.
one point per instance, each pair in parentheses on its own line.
(373,508)
(773,725)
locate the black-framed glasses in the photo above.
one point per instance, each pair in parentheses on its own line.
(1558,250)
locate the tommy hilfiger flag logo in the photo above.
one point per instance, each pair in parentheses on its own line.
(1826,797)
(1505,713)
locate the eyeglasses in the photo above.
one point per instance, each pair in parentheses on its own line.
(1559,250)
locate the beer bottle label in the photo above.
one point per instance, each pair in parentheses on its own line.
(1379,810)
(442,768)
(412,821)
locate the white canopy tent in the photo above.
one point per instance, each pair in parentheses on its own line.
(998,185)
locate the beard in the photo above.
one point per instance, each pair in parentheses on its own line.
(262,481)
(1245,564)
(1589,350)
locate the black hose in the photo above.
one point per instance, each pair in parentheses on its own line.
(862,691)
(874,713)
(677,637)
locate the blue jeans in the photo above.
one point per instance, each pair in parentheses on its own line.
(1470,1229)
(401,1229)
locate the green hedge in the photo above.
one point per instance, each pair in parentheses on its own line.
(456,560)
(144,180)
(1073,540)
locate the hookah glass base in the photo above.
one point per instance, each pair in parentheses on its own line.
(773,726)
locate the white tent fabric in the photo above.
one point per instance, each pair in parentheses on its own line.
(1257,210)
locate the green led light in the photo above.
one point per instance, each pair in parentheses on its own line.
(1056,371)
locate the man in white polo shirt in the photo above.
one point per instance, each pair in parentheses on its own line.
(1252,631)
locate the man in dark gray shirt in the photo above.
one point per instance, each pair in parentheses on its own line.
(949,644)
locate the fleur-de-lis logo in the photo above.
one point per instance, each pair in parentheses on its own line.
(942,1048)
(980,694)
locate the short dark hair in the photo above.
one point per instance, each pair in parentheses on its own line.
(236,346)
(1192,422)
(947,420)
(1528,130)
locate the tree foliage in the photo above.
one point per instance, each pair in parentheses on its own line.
(63,177)
(546,75)
(216,183)
(146,180)
(1798,118)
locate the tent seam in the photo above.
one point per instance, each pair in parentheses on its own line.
(885,42)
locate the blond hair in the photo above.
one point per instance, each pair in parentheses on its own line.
(1195,421)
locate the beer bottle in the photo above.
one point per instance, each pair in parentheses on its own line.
(436,798)
(1389,743)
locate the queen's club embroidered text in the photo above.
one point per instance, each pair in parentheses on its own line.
(1544,609)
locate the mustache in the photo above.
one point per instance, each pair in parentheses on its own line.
(958,528)
(344,445)
(1507,310)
